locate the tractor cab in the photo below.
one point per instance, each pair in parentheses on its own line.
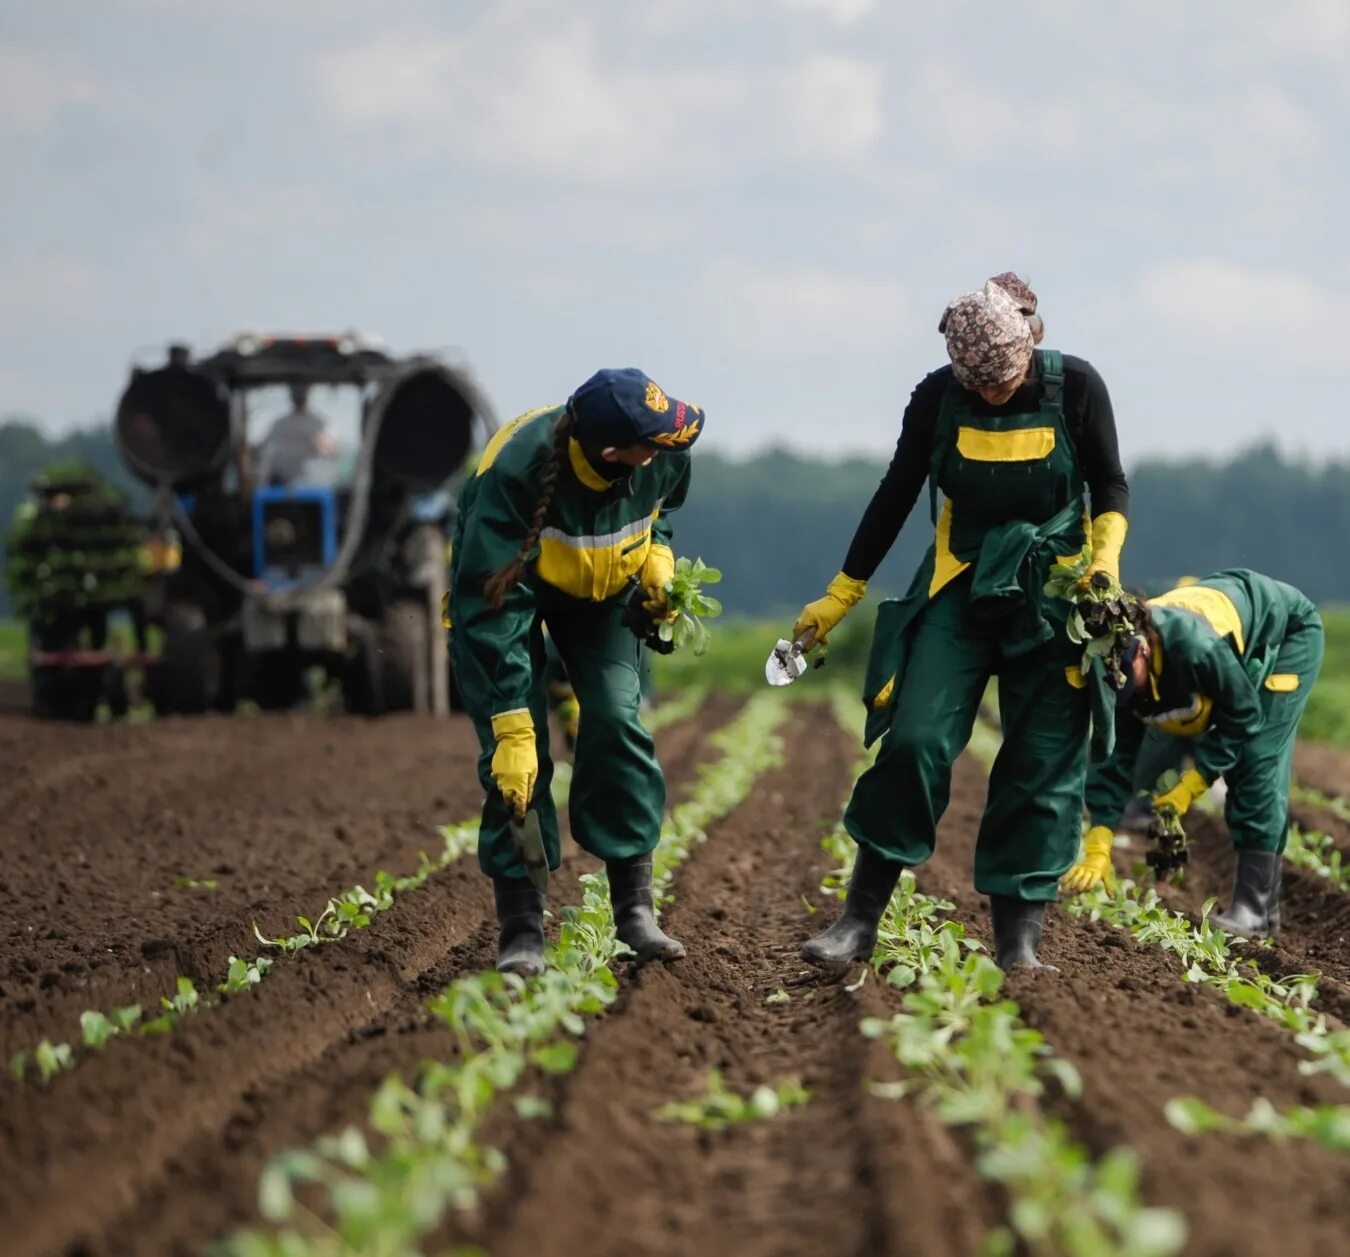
(311,478)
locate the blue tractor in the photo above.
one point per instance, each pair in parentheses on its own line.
(297,556)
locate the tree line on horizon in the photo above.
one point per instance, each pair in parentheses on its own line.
(778,524)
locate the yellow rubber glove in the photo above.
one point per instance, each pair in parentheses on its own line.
(515,762)
(1180,797)
(657,568)
(1108,539)
(841,595)
(1094,865)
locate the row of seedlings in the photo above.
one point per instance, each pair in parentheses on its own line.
(383,1191)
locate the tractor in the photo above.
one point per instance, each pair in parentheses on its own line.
(297,560)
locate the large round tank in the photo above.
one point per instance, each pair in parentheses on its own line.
(426,426)
(173,427)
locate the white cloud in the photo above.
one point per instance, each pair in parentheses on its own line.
(795,310)
(1225,130)
(46,291)
(844,12)
(1252,313)
(390,78)
(548,100)
(1318,29)
(833,106)
(976,123)
(35,88)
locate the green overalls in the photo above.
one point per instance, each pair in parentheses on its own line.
(1239,655)
(597,537)
(976,609)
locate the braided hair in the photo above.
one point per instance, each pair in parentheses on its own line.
(499,583)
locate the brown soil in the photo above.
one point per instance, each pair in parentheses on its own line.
(849,1173)
(1323,767)
(163,1139)
(1139,1036)
(154,1146)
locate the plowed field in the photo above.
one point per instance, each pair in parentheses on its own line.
(155,1145)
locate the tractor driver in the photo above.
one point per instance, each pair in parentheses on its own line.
(299,446)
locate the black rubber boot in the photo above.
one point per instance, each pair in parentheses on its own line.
(854,935)
(630,891)
(1254,909)
(1017,932)
(520,914)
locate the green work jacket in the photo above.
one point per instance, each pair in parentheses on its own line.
(596,537)
(1219,642)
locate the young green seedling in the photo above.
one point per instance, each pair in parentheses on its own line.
(429,1158)
(685,596)
(96,1028)
(720,1108)
(51,1058)
(967,1053)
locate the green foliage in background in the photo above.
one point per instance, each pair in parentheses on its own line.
(779,524)
(13,651)
(1327,718)
(734,662)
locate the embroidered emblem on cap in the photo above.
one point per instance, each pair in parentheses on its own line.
(681,436)
(656,400)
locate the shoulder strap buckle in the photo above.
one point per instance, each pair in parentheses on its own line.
(1052,376)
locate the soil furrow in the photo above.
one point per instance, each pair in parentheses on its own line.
(1313,819)
(205,1107)
(1314,934)
(1323,767)
(848,1173)
(1139,1036)
(281,811)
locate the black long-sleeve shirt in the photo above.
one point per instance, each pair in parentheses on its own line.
(1087,415)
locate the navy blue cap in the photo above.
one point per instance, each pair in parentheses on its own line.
(622,407)
(1128,654)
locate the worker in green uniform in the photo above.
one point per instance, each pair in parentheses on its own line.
(570,504)
(1009,435)
(1228,662)
(562,698)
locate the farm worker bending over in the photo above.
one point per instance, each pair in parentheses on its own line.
(569,503)
(1228,662)
(1010,435)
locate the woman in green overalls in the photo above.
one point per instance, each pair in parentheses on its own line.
(1228,662)
(569,505)
(1009,435)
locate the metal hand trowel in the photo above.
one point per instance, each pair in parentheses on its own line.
(529,840)
(787,660)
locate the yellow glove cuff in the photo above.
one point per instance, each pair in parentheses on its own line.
(1108,539)
(1099,841)
(512,722)
(1195,784)
(849,591)
(656,548)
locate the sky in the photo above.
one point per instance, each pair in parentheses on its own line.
(765,204)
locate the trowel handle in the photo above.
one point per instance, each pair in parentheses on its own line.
(806,640)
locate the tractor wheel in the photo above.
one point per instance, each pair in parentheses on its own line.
(391,673)
(47,690)
(190,667)
(115,691)
(276,681)
(86,688)
(403,655)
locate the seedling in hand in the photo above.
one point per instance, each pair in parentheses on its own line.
(688,606)
(1169,855)
(1098,621)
